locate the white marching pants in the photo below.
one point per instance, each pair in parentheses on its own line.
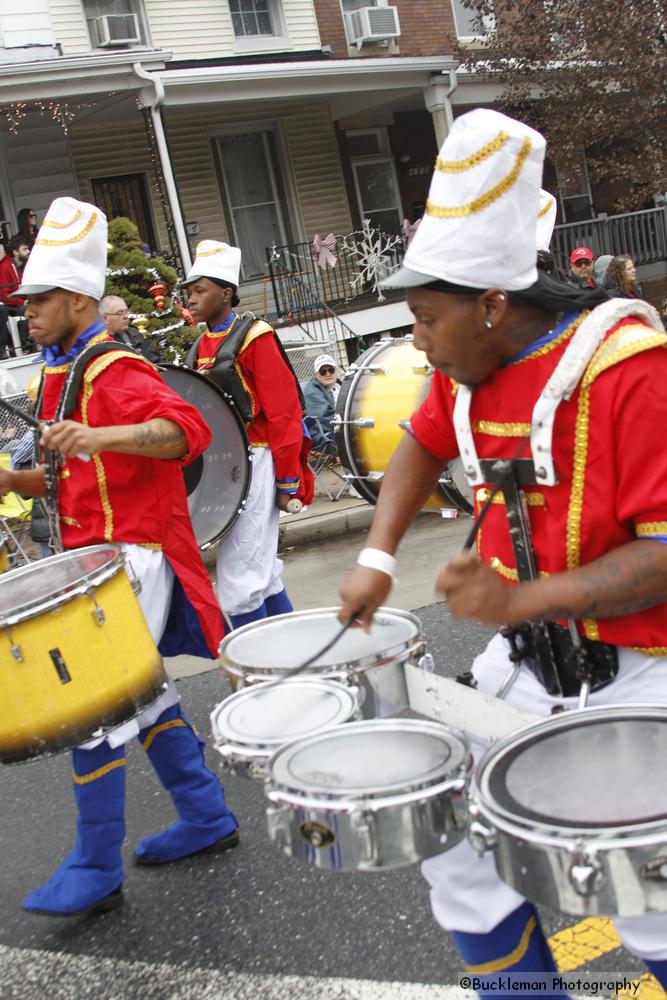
(248,567)
(467,894)
(157,584)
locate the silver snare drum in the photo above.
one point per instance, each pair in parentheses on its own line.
(369,795)
(270,648)
(252,724)
(574,809)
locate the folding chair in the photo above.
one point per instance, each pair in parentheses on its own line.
(326,459)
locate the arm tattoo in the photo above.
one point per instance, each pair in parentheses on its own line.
(156,434)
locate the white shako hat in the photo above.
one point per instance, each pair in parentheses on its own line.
(215,260)
(70,251)
(546,220)
(479,224)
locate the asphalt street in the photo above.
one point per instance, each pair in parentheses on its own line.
(252,923)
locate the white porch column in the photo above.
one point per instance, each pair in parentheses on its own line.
(437,100)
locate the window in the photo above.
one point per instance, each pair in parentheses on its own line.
(254,193)
(253,17)
(375,180)
(126,196)
(122,24)
(465,22)
(575,191)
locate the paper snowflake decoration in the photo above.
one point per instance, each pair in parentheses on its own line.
(370,252)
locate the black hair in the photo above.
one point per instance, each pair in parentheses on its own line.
(546,293)
(235,300)
(25,226)
(15,242)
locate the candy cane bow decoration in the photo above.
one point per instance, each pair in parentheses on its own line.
(409,229)
(324,248)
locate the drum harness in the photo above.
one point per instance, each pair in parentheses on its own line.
(565,663)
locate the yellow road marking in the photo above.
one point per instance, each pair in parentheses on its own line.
(583,942)
(649,989)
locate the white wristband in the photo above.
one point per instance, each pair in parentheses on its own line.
(379,560)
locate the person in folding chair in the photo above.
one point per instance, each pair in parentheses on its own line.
(584,576)
(121,481)
(244,357)
(320,397)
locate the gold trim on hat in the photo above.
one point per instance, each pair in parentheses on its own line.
(459,166)
(63,225)
(73,239)
(484,200)
(547,208)
(209,253)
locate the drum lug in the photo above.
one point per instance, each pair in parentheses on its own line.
(655,869)
(482,838)
(424,369)
(585,874)
(135,582)
(16,651)
(359,422)
(276,826)
(98,612)
(427,663)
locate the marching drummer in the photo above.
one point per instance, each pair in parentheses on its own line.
(582,485)
(120,481)
(245,358)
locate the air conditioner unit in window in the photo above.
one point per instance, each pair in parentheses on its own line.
(116,29)
(372,24)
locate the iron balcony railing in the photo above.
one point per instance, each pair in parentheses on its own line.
(642,235)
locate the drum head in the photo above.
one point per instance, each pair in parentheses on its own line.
(27,591)
(217,482)
(588,770)
(268,716)
(370,759)
(456,486)
(277,644)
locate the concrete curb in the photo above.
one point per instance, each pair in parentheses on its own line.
(307,529)
(321,527)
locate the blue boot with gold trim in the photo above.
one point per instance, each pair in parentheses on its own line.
(89,880)
(206,824)
(516,945)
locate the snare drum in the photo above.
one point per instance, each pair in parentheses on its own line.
(375,661)
(574,809)
(76,656)
(217,483)
(252,724)
(379,393)
(369,795)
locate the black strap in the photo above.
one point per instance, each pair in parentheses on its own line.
(70,390)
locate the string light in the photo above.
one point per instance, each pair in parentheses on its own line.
(63,113)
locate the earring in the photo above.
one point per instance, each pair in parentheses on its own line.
(488,324)
(501,297)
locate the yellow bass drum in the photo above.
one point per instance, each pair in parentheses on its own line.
(379,394)
(76,655)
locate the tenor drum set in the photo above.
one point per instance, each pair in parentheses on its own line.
(353,780)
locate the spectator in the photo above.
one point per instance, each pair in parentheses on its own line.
(621,280)
(17,252)
(115,316)
(320,396)
(600,269)
(581,268)
(27,226)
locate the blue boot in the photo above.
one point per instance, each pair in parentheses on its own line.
(278,604)
(90,879)
(205,823)
(516,945)
(659,970)
(248,616)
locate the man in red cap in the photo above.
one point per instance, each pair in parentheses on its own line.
(581,268)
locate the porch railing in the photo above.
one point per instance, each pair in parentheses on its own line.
(642,235)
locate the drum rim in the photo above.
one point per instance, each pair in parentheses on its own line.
(389,655)
(345,799)
(203,546)
(79,588)
(560,834)
(261,750)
